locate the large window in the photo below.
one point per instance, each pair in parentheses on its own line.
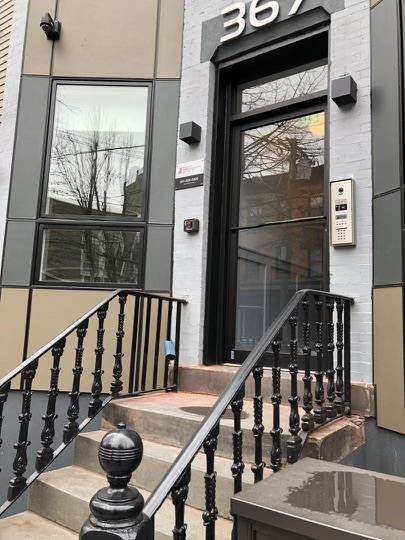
(93,210)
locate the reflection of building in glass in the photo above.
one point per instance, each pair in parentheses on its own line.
(91,255)
(92,170)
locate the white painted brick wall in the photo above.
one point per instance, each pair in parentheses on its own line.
(8,121)
(350,155)
(350,137)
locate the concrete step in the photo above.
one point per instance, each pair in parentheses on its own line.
(30,526)
(214,379)
(157,459)
(63,496)
(166,418)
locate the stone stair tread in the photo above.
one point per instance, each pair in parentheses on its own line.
(169,403)
(30,526)
(168,454)
(77,485)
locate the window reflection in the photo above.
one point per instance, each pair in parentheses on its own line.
(90,256)
(283,89)
(98,151)
(283,171)
(273,263)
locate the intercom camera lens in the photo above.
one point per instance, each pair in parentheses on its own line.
(341,190)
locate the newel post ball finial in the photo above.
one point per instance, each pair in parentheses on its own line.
(116,511)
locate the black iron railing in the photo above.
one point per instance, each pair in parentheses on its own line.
(143,361)
(315,329)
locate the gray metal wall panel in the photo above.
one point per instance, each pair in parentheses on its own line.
(28,154)
(386,97)
(387,240)
(164,145)
(158,259)
(18,253)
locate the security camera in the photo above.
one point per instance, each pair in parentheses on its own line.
(50,27)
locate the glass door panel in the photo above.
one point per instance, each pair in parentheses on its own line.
(282,171)
(281,228)
(273,263)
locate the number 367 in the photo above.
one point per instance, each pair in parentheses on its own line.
(256,7)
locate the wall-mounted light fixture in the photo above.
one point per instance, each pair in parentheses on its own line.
(50,27)
(190,133)
(344,91)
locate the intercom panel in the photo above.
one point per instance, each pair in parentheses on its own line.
(342,213)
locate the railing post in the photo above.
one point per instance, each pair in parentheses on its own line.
(347,362)
(320,411)
(331,410)
(4,391)
(238,465)
(308,421)
(19,482)
(276,401)
(117,385)
(116,511)
(45,454)
(71,429)
(179,499)
(294,443)
(339,401)
(97,387)
(258,428)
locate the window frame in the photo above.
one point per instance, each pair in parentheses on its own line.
(63,221)
(49,137)
(42,227)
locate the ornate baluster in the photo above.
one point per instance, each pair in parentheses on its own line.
(45,454)
(238,466)
(18,483)
(116,385)
(308,422)
(4,390)
(276,400)
(71,429)
(320,411)
(294,443)
(211,511)
(258,428)
(330,372)
(339,401)
(179,498)
(97,387)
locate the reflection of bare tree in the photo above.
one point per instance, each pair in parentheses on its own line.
(109,256)
(93,169)
(91,255)
(279,90)
(276,160)
(97,172)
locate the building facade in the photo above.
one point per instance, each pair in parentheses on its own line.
(244,120)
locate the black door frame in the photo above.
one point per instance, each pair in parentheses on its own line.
(218,307)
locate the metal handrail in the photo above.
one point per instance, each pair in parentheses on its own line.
(70,329)
(188,453)
(27,370)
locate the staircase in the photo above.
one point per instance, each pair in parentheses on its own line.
(201,444)
(59,500)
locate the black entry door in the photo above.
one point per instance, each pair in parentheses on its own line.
(277,230)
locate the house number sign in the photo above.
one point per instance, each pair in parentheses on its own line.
(269,10)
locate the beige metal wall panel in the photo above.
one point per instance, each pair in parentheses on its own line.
(53,311)
(38,49)
(13,315)
(170,39)
(101,38)
(389,358)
